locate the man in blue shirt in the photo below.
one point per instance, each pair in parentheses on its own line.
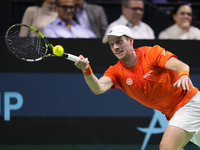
(64,26)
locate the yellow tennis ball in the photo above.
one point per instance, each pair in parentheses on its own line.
(58,50)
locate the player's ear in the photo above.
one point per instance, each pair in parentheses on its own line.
(131,41)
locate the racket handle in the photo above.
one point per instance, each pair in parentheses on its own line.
(70,57)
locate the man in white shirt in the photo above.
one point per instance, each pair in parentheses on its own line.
(132,13)
(182,28)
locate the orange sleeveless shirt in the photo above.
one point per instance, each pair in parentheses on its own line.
(149,82)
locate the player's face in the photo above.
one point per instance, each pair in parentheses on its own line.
(65,9)
(183,17)
(121,46)
(134,11)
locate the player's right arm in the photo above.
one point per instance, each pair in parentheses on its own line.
(97,86)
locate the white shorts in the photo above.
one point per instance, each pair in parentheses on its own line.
(188,118)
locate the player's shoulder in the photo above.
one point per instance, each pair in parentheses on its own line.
(142,48)
(118,64)
(115,66)
(145,50)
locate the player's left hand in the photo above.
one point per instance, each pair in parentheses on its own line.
(184,81)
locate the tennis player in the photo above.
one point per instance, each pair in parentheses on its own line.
(155,78)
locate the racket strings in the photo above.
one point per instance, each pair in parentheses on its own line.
(23,44)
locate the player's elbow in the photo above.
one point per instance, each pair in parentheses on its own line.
(99,89)
(97,92)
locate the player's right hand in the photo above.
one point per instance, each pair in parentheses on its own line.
(81,63)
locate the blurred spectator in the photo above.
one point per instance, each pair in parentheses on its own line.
(92,17)
(64,26)
(41,15)
(132,13)
(182,28)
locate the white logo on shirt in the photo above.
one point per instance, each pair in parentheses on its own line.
(164,53)
(129,81)
(147,74)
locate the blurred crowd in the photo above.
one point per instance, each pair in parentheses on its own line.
(79,19)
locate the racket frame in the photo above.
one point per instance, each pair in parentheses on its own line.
(46,42)
(49,47)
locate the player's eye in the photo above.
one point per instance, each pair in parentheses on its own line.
(118,41)
(111,44)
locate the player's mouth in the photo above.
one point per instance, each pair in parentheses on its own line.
(120,52)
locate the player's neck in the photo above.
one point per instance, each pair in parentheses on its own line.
(132,61)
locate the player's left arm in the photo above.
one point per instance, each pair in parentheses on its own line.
(183,71)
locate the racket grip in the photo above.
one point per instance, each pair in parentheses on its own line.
(70,57)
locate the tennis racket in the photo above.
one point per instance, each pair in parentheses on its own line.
(29,44)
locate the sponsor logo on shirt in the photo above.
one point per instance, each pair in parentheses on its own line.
(129,81)
(147,74)
(164,53)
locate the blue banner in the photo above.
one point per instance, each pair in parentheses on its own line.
(49,94)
